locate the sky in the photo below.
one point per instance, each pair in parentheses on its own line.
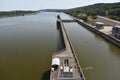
(7,5)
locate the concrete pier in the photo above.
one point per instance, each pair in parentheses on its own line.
(69,68)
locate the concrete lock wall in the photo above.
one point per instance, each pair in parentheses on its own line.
(74,54)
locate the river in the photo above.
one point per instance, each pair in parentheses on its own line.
(27,44)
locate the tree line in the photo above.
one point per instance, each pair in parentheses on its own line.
(111,10)
(15,13)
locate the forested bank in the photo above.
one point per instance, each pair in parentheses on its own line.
(15,13)
(110,10)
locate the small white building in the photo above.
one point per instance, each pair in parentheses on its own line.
(55,63)
(99,25)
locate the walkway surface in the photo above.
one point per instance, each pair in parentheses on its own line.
(67,53)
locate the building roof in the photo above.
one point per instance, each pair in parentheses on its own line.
(117,26)
(55,61)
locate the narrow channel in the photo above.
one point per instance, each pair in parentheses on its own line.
(93,51)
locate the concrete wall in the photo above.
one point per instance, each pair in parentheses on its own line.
(74,54)
(105,36)
(107,21)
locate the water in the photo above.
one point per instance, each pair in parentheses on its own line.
(93,51)
(27,44)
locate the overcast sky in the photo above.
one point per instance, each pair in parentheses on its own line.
(6,5)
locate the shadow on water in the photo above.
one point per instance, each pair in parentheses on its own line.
(60,40)
(46,75)
(60,46)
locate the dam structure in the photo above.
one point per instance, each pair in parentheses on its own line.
(65,65)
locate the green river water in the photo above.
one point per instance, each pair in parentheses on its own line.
(27,44)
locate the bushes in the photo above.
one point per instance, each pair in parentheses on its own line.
(83,17)
(115,18)
(111,10)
